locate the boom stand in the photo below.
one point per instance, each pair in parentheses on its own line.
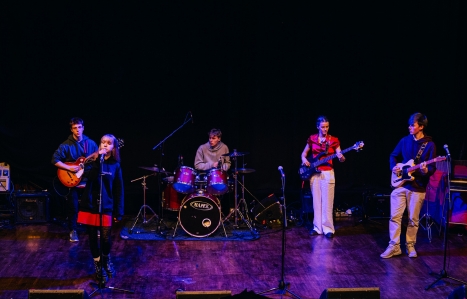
(283,286)
(161,154)
(443,273)
(101,285)
(142,210)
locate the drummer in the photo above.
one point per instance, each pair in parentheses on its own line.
(210,155)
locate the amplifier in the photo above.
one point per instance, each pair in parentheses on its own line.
(4,177)
(32,207)
(378,205)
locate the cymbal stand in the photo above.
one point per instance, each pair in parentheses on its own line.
(429,222)
(142,210)
(236,203)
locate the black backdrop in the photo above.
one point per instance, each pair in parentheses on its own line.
(260,71)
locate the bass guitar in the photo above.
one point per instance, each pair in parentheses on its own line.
(73,179)
(405,174)
(306,172)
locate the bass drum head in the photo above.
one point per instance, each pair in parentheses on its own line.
(200,214)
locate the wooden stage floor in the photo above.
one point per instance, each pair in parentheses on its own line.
(40,256)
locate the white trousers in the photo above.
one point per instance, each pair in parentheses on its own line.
(322,187)
(402,198)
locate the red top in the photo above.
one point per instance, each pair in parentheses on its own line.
(318,147)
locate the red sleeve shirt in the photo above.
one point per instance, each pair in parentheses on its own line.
(319,148)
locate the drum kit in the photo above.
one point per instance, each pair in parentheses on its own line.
(193,194)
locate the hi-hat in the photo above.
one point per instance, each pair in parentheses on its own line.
(154,169)
(235,154)
(244,170)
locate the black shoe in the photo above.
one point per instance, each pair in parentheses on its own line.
(100,275)
(108,266)
(313,232)
(329,235)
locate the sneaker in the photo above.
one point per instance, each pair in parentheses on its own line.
(411,252)
(391,251)
(74,236)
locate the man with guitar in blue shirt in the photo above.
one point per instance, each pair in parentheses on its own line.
(416,151)
(69,158)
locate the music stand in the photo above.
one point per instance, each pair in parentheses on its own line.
(283,286)
(443,273)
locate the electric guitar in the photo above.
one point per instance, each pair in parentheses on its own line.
(398,179)
(306,172)
(73,179)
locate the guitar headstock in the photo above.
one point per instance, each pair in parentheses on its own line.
(358,145)
(121,143)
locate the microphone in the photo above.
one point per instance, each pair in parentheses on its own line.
(191,115)
(447,150)
(102,155)
(281,169)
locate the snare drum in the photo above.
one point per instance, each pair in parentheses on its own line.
(217,182)
(184,181)
(200,214)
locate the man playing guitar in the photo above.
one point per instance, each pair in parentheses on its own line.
(410,193)
(67,157)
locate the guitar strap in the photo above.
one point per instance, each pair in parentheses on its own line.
(420,151)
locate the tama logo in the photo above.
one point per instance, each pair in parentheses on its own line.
(201,205)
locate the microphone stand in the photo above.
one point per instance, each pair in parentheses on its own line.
(161,153)
(101,285)
(443,273)
(283,286)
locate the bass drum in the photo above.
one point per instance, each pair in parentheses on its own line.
(200,214)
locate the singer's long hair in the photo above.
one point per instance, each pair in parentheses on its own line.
(116,150)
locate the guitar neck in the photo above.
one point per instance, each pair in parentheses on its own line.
(317,163)
(415,167)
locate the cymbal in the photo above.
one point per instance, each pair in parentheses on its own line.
(244,170)
(154,169)
(235,154)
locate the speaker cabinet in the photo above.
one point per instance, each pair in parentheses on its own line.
(203,294)
(32,207)
(342,293)
(57,294)
(268,209)
(378,205)
(307,201)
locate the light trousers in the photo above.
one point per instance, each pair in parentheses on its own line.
(322,187)
(401,199)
